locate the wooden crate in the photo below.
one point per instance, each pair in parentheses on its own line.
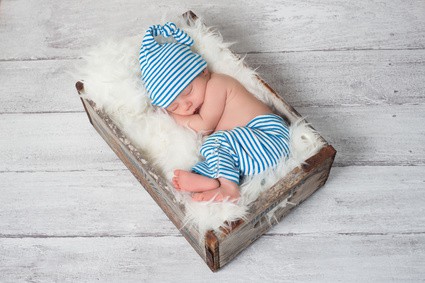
(218,248)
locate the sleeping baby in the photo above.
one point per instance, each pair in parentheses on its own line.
(244,137)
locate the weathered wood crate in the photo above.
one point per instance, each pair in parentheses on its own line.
(218,248)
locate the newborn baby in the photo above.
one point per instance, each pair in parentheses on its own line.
(244,136)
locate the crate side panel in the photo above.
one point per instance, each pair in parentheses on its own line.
(149,180)
(292,194)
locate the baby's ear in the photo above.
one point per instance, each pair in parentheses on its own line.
(205,71)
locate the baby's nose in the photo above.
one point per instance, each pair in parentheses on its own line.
(188,105)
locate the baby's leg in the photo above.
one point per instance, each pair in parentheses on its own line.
(228,190)
(188,181)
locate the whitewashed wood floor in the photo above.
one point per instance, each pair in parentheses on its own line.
(70,211)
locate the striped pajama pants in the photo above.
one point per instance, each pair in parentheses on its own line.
(244,150)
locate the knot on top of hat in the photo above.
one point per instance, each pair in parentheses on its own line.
(167,30)
(168,68)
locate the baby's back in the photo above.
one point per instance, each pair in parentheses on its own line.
(241,106)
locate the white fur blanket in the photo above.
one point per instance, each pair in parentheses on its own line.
(111,78)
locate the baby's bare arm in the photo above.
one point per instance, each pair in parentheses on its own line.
(211,110)
(195,122)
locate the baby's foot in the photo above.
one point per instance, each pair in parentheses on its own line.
(226,192)
(213,195)
(188,181)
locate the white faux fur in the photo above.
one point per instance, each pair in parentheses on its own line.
(112,80)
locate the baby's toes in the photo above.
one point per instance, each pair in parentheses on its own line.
(197,196)
(218,197)
(177,173)
(176,184)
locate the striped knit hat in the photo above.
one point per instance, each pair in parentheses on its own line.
(167,69)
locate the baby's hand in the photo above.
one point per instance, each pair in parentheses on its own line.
(190,121)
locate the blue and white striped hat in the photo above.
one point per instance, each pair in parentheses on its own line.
(167,69)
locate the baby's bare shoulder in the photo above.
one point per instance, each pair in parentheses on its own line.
(221,81)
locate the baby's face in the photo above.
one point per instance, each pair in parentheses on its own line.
(190,100)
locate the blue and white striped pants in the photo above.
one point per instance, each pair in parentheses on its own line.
(245,150)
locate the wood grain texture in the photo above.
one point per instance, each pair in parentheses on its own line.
(62,30)
(272,259)
(369,135)
(53,142)
(78,204)
(359,200)
(38,86)
(344,78)
(372,135)
(112,204)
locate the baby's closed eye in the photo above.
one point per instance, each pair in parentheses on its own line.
(173,107)
(187,91)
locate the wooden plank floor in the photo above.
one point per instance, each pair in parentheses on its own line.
(70,211)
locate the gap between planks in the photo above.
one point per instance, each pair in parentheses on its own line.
(335,164)
(341,105)
(243,53)
(178,235)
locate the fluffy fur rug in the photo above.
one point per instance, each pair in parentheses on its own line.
(111,78)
